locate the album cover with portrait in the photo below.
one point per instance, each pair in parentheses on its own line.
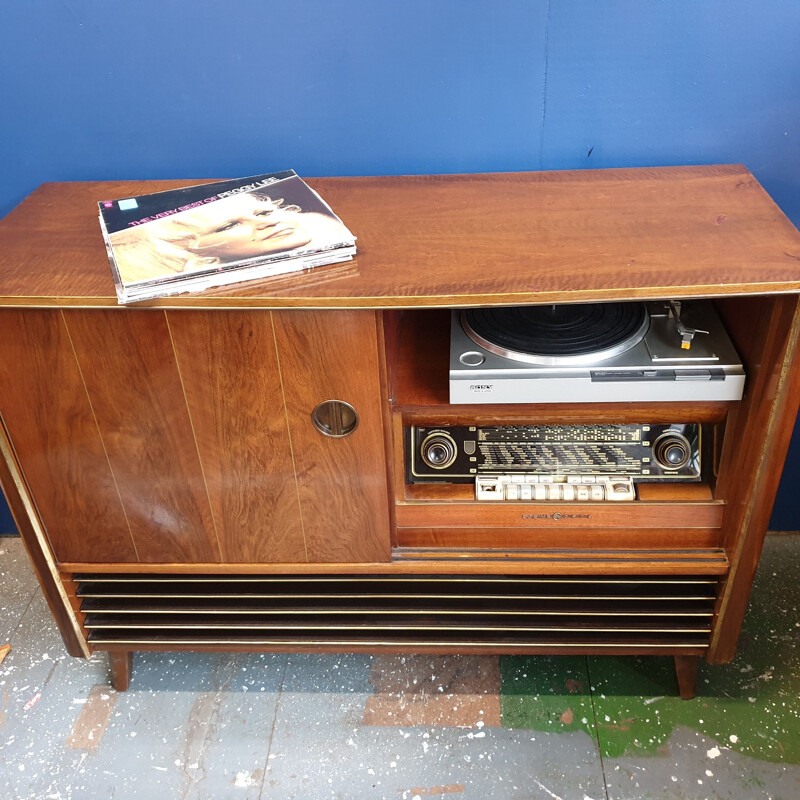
(212,234)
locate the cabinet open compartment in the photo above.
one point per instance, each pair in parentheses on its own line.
(664,516)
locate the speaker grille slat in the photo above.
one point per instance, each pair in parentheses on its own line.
(447,611)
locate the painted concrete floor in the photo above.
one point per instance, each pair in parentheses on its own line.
(320,726)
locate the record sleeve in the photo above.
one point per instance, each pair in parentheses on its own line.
(192,238)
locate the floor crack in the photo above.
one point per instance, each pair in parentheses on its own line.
(596,728)
(272,729)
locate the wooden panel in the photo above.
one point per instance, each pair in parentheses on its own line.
(578,561)
(445,240)
(755,447)
(386,332)
(342,481)
(233,389)
(49,419)
(579,515)
(463,562)
(128,363)
(39,551)
(591,538)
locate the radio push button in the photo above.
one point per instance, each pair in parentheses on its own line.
(555,488)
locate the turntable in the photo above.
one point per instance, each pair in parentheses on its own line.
(589,353)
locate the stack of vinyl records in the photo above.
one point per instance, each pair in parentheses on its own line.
(198,237)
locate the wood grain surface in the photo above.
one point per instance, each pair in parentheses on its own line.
(342,482)
(233,388)
(461,561)
(500,538)
(471,514)
(52,579)
(128,364)
(756,442)
(450,240)
(52,429)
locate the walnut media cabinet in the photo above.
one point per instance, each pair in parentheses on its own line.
(172,492)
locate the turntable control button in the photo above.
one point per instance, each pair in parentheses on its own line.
(472,358)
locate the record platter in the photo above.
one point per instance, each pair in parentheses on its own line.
(589,353)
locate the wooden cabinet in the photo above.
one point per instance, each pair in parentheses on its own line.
(164,467)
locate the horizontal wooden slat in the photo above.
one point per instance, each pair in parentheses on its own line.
(291,626)
(611,562)
(541,562)
(636,514)
(399,648)
(542,607)
(644,642)
(401,591)
(366,579)
(507,539)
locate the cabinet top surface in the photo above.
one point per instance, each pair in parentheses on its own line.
(450,240)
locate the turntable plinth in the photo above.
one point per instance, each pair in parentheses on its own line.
(173,492)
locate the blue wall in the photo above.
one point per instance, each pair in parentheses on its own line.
(99,90)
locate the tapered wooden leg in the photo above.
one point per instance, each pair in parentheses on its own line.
(121,665)
(686,670)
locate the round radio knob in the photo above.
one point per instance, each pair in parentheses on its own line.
(672,450)
(438,450)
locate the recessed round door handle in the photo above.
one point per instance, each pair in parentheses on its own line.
(335,418)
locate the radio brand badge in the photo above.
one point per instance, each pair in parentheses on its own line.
(481,387)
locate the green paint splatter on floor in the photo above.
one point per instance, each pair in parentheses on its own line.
(750,706)
(546,693)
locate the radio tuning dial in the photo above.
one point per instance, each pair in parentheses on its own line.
(672,450)
(438,450)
